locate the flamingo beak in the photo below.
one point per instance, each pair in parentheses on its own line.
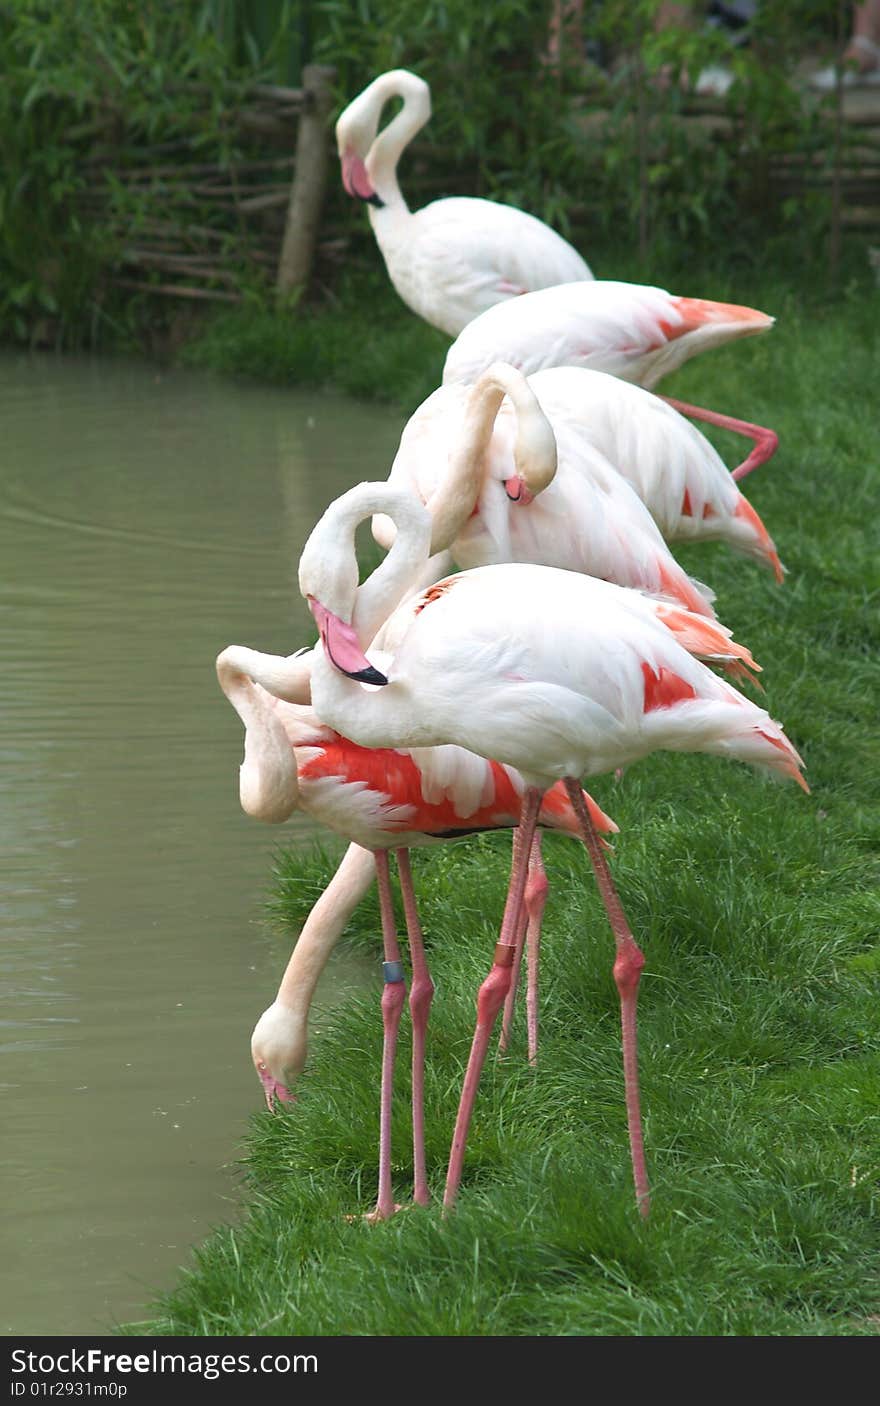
(357,182)
(342,646)
(274,1090)
(517,492)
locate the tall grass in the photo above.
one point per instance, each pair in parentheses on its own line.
(758,911)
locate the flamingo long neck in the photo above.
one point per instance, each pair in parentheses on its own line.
(454,500)
(394,577)
(328,578)
(388,146)
(268,782)
(320,933)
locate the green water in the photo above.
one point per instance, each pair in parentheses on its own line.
(147,519)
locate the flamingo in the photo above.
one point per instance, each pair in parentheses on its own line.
(554,673)
(455,257)
(379,799)
(630,330)
(479,460)
(478,456)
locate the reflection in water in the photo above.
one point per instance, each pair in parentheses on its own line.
(146,520)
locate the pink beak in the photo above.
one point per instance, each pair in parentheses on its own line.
(342,645)
(517,492)
(356,180)
(274,1089)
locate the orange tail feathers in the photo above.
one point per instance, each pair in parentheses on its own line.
(788,762)
(745,511)
(700,312)
(558,805)
(679,585)
(709,640)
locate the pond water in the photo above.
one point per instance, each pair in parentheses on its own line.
(147,518)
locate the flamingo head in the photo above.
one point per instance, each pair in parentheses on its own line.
(278,1047)
(358,139)
(517,492)
(341,645)
(356,180)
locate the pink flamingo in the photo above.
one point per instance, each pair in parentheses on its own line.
(594,520)
(478,455)
(631,330)
(380,799)
(455,257)
(517,469)
(552,672)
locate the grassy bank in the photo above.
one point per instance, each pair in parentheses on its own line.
(758,911)
(361,338)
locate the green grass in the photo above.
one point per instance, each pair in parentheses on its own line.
(360,337)
(758,911)
(364,342)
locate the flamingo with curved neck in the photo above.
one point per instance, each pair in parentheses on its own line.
(634,331)
(455,257)
(451,438)
(512,475)
(554,673)
(380,801)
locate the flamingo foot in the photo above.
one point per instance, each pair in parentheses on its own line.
(380,1214)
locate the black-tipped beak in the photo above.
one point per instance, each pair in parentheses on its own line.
(374,200)
(368,675)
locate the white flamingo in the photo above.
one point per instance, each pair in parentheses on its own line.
(552,672)
(380,799)
(455,257)
(630,330)
(479,460)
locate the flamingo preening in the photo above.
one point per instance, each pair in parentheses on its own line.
(455,257)
(567,468)
(580,514)
(379,799)
(554,673)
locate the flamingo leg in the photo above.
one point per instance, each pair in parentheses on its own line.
(766,440)
(536,897)
(421,994)
(510,999)
(627,971)
(528,935)
(393,993)
(494,989)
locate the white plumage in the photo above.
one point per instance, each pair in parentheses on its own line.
(631,330)
(456,257)
(630,472)
(542,669)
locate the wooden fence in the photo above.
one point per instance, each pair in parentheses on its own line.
(202,227)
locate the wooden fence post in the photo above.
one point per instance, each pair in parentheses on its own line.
(309,179)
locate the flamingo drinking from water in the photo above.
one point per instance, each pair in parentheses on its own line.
(552,672)
(380,799)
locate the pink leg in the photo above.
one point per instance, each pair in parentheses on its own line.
(393,994)
(510,1000)
(494,988)
(421,994)
(766,440)
(529,931)
(536,897)
(627,970)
